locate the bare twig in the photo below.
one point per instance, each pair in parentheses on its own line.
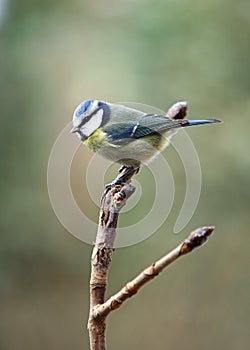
(196,239)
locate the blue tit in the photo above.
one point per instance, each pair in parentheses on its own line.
(126,135)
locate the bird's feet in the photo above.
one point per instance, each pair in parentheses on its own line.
(125,173)
(116,182)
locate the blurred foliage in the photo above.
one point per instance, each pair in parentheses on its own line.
(54,54)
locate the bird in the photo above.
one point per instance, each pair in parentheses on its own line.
(126,135)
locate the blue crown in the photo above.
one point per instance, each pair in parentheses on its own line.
(81,109)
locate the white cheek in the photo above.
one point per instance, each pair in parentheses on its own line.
(93,124)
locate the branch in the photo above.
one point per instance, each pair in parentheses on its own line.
(195,240)
(113,200)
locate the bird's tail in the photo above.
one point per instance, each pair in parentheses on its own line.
(199,122)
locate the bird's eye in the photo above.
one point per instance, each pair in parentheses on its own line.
(81,109)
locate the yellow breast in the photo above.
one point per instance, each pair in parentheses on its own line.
(96,140)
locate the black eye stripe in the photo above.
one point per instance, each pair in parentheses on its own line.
(86,119)
(105,117)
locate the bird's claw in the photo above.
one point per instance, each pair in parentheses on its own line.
(124,171)
(114,183)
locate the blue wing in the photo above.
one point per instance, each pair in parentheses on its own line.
(145,125)
(148,124)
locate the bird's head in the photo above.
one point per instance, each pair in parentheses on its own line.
(89,116)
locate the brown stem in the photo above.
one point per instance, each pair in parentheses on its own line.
(112,202)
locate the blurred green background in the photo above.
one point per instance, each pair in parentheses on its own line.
(53,55)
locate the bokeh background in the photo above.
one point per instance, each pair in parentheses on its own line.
(56,53)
